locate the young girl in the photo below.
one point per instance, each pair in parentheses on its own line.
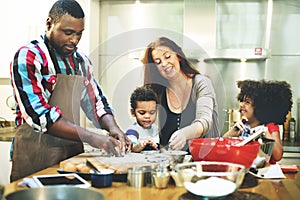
(263,103)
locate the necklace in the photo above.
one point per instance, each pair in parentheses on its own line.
(172,96)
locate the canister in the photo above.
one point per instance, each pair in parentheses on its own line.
(135,177)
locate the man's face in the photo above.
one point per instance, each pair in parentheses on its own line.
(65,34)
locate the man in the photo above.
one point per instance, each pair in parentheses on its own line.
(51,80)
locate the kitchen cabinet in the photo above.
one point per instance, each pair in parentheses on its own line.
(291,155)
(5,163)
(6,135)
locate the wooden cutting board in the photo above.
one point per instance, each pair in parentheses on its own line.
(118,164)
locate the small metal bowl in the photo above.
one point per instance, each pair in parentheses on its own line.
(175,156)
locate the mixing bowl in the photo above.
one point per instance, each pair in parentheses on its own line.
(224,150)
(55,192)
(211,179)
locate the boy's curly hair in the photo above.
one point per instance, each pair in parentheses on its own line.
(143,93)
(272,100)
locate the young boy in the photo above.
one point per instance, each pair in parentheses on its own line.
(143,132)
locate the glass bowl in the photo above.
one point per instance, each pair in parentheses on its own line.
(265,152)
(211,179)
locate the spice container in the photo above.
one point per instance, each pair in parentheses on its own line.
(161,177)
(135,177)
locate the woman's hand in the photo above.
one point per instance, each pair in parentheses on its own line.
(177,140)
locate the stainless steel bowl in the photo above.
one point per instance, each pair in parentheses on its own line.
(55,192)
(175,156)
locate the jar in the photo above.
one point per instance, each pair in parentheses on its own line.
(292,126)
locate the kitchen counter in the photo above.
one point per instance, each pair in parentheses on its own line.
(273,189)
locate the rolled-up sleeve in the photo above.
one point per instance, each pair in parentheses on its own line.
(94,103)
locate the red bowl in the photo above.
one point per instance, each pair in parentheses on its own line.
(224,150)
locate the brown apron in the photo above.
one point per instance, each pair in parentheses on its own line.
(33,151)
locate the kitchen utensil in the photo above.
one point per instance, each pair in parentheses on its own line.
(136,177)
(93,167)
(251,137)
(211,179)
(224,150)
(56,192)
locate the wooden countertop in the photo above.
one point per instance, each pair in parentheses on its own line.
(273,189)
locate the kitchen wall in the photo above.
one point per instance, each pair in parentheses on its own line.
(21,27)
(118,31)
(225,31)
(18,28)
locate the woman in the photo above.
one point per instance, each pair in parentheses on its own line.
(263,103)
(188,101)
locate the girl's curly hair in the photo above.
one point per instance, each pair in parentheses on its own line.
(272,100)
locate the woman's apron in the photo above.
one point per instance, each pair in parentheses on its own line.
(33,151)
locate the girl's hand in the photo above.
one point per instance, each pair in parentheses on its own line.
(240,125)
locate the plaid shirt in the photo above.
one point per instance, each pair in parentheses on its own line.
(33,76)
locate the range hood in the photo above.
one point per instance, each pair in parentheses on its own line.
(238,54)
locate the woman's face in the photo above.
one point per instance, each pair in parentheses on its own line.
(167,62)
